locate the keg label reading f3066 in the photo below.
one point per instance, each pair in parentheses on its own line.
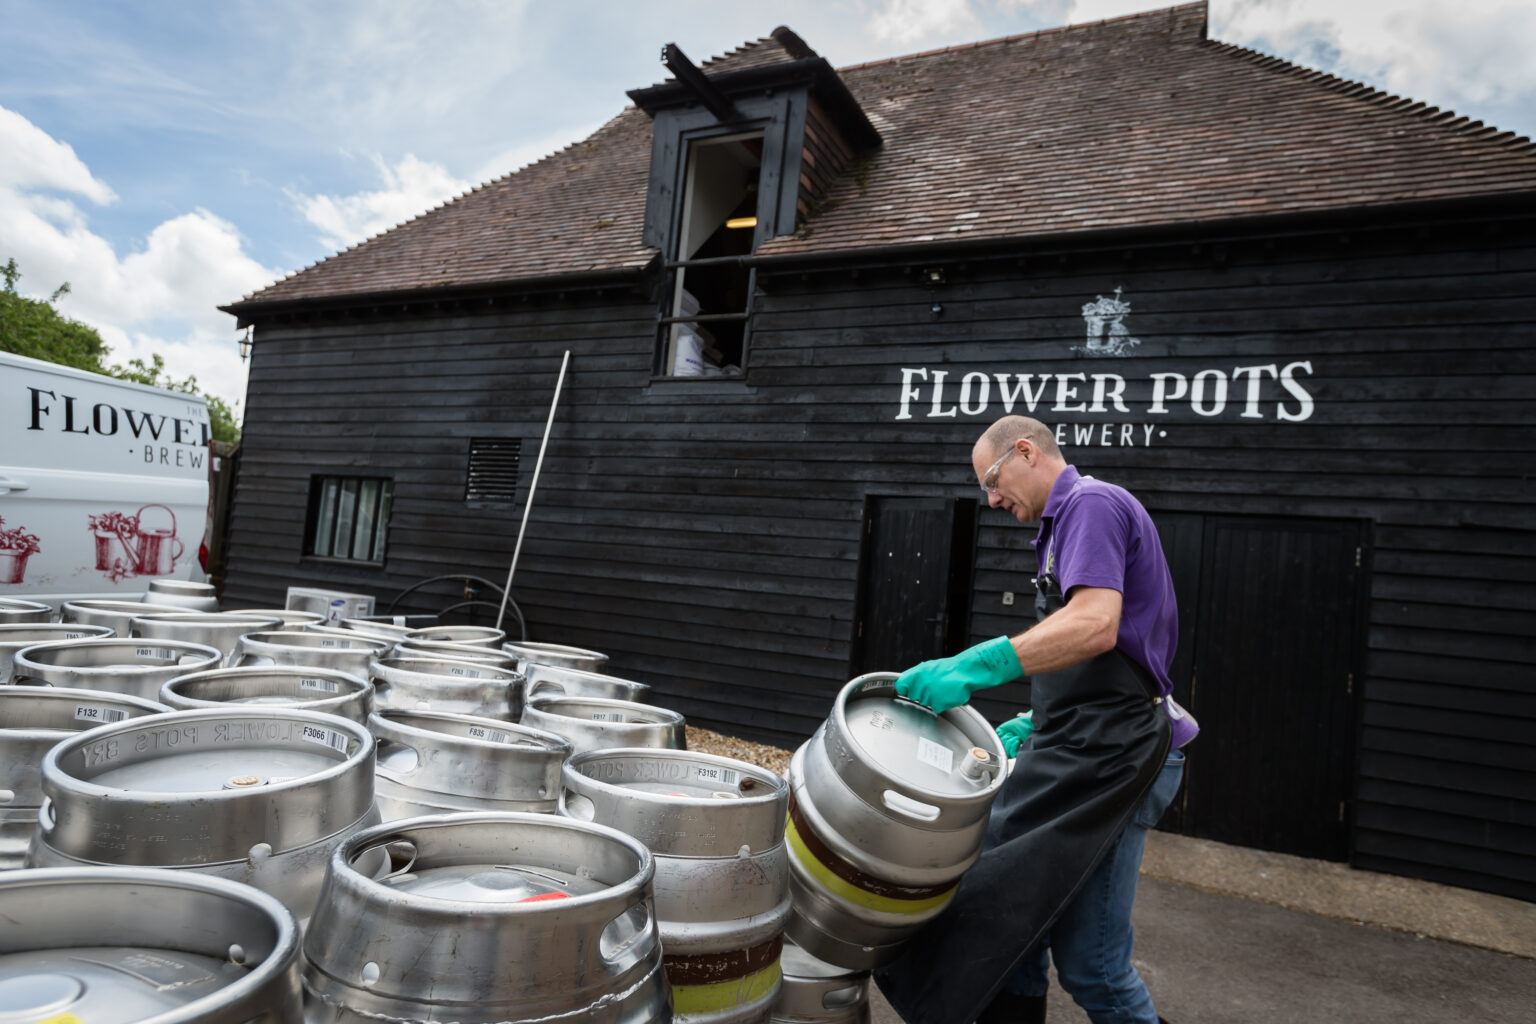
(935,754)
(316,734)
(92,713)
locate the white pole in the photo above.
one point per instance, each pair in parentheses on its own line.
(532,486)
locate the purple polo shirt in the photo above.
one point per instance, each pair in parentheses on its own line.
(1094,534)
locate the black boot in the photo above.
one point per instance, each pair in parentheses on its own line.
(1008,1008)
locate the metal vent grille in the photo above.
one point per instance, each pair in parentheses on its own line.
(493,465)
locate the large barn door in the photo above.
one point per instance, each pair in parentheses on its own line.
(915,586)
(1268,662)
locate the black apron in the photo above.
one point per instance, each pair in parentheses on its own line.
(1101,736)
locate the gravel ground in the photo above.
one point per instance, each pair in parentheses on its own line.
(704,741)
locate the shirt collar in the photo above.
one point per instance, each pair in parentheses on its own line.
(1067,480)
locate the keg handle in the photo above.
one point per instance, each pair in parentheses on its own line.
(842,998)
(903,804)
(389,858)
(382,747)
(628,938)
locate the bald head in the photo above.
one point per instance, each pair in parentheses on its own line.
(1002,435)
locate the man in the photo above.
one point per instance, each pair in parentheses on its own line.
(1065,840)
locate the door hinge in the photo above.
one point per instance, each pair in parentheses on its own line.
(1349,684)
(861,629)
(1341,811)
(1357,558)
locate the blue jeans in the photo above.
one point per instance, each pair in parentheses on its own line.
(1091,941)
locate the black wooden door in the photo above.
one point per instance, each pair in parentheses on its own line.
(1269,652)
(915,581)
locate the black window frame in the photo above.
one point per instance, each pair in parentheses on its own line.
(317,513)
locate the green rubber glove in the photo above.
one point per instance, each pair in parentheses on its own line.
(1015,731)
(946,683)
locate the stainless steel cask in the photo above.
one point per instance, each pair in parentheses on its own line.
(324,690)
(513,918)
(888,807)
(112,664)
(199,597)
(597,723)
(344,651)
(16,610)
(15,636)
(560,681)
(532,652)
(461,687)
(101,945)
(104,611)
(816,992)
(430,763)
(716,829)
(256,795)
(222,630)
(478,636)
(32,720)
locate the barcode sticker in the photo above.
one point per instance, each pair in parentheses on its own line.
(92,713)
(328,685)
(153,652)
(490,735)
(936,754)
(72,635)
(467,673)
(725,776)
(607,716)
(316,734)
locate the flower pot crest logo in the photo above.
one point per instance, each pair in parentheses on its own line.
(141,544)
(16,546)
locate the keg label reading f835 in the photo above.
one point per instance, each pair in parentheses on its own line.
(936,754)
(91,713)
(489,735)
(335,740)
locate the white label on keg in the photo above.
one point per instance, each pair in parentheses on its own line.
(724,776)
(317,734)
(72,635)
(490,735)
(328,685)
(936,754)
(91,713)
(153,652)
(332,643)
(607,716)
(467,673)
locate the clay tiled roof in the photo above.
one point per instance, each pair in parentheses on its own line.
(1130,122)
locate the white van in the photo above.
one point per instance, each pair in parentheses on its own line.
(103,483)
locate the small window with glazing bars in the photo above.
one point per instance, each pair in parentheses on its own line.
(348,517)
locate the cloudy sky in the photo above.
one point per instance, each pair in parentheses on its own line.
(165,158)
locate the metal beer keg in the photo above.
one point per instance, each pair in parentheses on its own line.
(559,681)
(716,829)
(32,720)
(531,652)
(429,762)
(507,918)
(309,689)
(136,667)
(888,807)
(15,610)
(344,651)
(215,629)
(15,636)
(256,795)
(448,650)
(376,627)
(292,618)
(478,636)
(597,723)
(820,993)
(110,612)
(442,684)
(198,597)
(102,945)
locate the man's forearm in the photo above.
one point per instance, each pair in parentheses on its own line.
(1085,628)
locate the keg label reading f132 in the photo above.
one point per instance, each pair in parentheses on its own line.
(328,685)
(935,754)
(91,713)
(316,734)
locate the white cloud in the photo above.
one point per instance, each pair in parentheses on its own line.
(410,188)
(909,22)
(160,298)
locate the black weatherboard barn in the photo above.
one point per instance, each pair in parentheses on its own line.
(1293,314)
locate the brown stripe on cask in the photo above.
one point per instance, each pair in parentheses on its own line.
(849,872)
(708,968)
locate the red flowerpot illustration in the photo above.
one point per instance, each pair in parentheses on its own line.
(16,545)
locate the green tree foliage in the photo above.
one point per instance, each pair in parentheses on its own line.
(32,327)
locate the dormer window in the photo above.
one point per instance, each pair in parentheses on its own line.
(710,285)
(738,156)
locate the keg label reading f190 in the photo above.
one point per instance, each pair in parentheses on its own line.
(935,754)
(315,734)
(328,685)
